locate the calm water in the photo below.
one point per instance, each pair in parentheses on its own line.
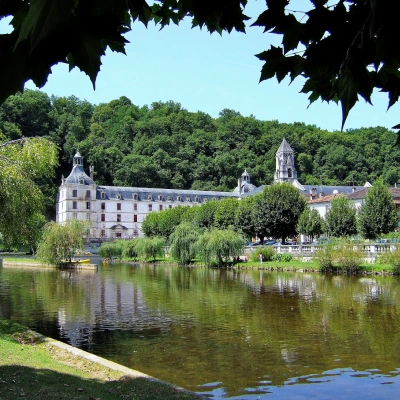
(248,335)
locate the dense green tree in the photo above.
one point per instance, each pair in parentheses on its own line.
(225,213)
(341,218)
(22,162)
(310,223)
(378,214)
(183,242)
(246,216)
(205,214)
(60,242)
(278,211)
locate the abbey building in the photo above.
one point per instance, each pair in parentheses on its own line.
(118,212)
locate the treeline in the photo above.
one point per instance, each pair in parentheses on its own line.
(164,145)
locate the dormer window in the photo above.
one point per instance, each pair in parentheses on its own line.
(214,198)
(160,197)
(81,180)
(179,198)
(135,196)
(196,199)
(103,195)
(118,196)
(149,197)
(169,198)
(187,198)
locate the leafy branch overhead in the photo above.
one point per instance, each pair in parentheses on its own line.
(343,49)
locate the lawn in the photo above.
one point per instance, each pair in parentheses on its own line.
(34,369)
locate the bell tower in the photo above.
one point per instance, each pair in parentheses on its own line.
(285,170)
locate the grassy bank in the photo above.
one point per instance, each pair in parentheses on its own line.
(33,369)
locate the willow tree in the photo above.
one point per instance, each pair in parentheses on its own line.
(183,242)
(218,246)
(59,243)
(22,163)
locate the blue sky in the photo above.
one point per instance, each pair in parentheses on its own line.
(209,73)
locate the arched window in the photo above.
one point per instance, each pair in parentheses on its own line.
(289,172)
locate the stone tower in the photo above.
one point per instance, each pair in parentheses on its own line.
(285,170)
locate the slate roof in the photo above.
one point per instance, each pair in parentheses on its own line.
(360,194)
(284,147)
(127,193)
(76,174)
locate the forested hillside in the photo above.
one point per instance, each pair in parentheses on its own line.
(164,145)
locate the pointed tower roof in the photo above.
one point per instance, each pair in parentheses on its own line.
(284,147)
(78,174)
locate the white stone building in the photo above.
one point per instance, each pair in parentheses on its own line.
(118,212)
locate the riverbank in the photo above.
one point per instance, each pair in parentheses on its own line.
(281,266)
(35,367)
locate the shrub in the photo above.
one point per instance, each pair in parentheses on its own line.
(282,257)
(347,255)
(324,256)
(391,258)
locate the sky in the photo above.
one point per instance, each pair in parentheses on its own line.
(209,73)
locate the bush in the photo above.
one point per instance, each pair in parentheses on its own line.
(347,255)
(391,258)
(324,256)
(267,253)
(341,253)
(282,257)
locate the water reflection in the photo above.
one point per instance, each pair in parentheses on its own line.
(245,334)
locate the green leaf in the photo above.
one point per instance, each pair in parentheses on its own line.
(347,93)
(44,17)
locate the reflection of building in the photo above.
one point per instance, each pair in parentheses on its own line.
(118,212)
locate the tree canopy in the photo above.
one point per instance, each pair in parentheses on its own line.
(343,50)
(22,163)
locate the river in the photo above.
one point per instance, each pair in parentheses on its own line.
(226,334)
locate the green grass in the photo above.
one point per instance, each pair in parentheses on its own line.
(35,370)
(21,259)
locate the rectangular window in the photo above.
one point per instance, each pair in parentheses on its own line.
(103,233)
(134,218)
(150,207)
(103,206)
(160,207)
(88,205)
(135,233)
(135,207)
(74,193)
(74,215)
(103,217)
(170,206)
(88,194)
(75,205)
(87,216)
(118,217)
(119,206)
(118,234)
